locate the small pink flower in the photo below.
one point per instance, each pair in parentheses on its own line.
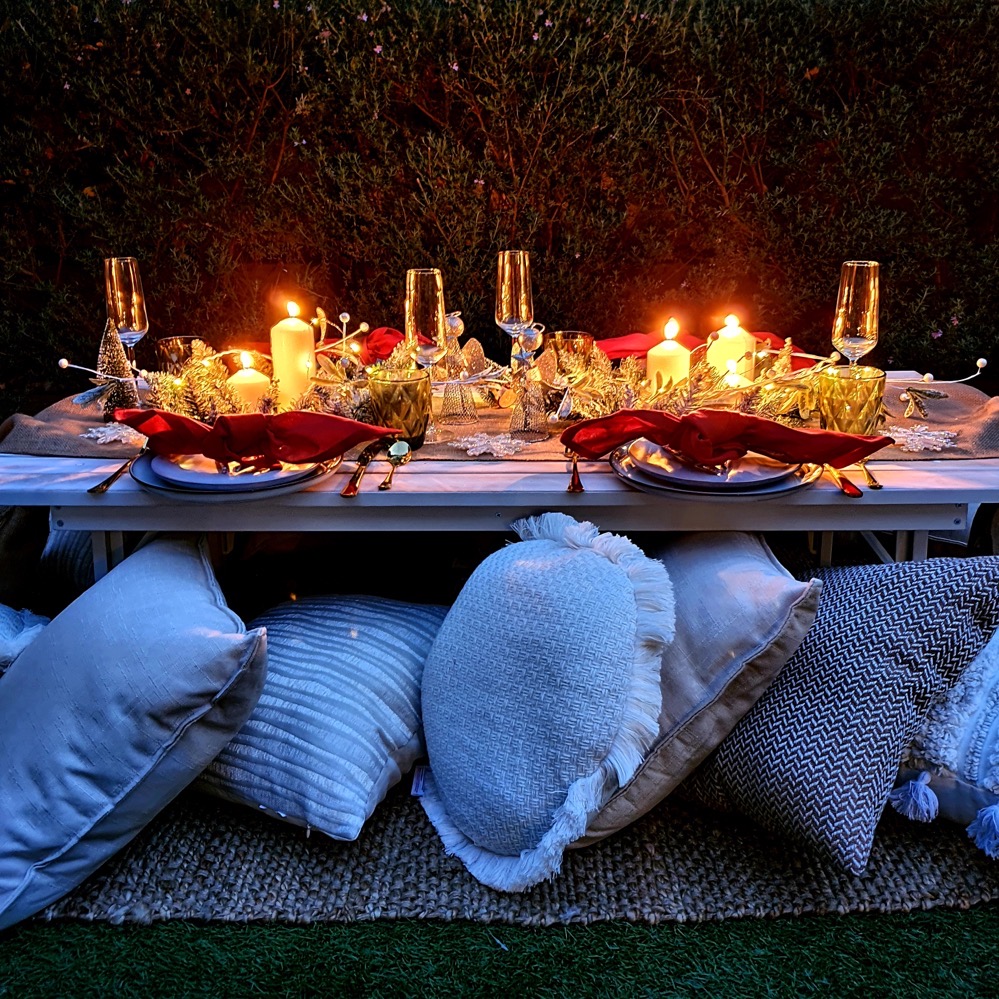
(378,50)
(936,334)
(362,17)
(548,23)
(954,320)
(325,34)
(454,66)
(535,36)
(479,181)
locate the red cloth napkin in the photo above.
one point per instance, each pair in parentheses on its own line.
(252,438)
(712,436)
(639,344)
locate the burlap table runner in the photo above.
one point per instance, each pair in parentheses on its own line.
(56,430)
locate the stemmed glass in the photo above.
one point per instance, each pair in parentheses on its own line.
(515,316)
(425,318)
(855,327)
(126,303)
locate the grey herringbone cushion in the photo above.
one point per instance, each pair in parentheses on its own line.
(541,695)
(816,756)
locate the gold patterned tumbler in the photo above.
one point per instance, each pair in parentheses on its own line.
(401,399)
(851,399)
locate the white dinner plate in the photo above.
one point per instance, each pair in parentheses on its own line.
(752,471)
(626,468)
(142,472)
(195,471)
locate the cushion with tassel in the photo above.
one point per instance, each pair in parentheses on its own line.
(816,757)
(951,767)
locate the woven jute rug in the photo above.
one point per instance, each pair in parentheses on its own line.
(202,859)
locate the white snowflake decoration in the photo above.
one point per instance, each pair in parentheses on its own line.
(921,438)
(498,445)
(115,433)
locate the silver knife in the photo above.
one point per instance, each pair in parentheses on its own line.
(363,460)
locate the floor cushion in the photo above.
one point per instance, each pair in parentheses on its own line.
(815,758)
(541,694)
(121,701)
(740,615)
(338,722)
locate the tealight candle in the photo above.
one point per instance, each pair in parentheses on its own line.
(732,343)
(248,383)
(733,379)
(293,356)
(669,360)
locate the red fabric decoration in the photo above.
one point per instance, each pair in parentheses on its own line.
(253,438)
(639,344)
(713,436)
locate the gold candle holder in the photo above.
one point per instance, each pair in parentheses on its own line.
(571,344)
(851,399)
(173,352)
(401,399)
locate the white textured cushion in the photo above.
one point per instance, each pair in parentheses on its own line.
(116,706)
(18,629)
(338,721)
(541,695)
(958,745)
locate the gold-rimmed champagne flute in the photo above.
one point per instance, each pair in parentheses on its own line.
(126,302)
(855,325)
(425,329)
(514,314)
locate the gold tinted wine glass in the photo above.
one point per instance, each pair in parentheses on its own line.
(126,302)
(855,326)
(425,333)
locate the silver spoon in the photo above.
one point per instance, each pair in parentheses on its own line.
(398,454)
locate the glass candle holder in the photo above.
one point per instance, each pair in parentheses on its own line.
(851,399)
(573,349)
(173,352)
(402,399)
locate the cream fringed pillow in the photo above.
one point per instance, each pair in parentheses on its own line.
(541,695)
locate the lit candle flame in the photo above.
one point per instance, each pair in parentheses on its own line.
(671,329)
(731,324)
(246,359)
(293,309)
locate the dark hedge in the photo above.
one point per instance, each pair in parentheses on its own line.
(689,157)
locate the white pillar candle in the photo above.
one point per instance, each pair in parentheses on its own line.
(732,343)
(668,360)
(293,356)
(248,383)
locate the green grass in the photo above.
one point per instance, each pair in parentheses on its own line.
(938,953)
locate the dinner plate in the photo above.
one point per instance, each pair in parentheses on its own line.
(624,465)
(752,471)
(195,471)
(142,472)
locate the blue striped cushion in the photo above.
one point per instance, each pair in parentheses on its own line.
(338,722)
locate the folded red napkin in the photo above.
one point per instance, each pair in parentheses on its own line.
(712,436)
(252,438)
